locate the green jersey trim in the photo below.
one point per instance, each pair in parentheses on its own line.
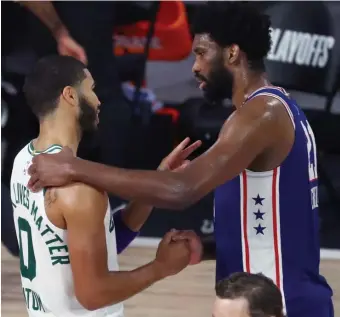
(52,148)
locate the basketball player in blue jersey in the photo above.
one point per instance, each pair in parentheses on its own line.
(262,167)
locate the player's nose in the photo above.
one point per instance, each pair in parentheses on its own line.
(196,68)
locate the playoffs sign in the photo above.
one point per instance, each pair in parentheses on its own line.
(303,46)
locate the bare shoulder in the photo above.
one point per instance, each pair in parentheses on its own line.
(79,195)
(76,200)
(262,112)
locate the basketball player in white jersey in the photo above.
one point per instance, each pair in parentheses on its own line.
(68,237)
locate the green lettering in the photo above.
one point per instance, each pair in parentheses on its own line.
(60,259)
(26,197)
(15,194)
(40,303)
(38,222)
(58,248)
(48,229)
(34,210)
(23,291)
(19,193)
(35,302)
(28,268)
(28,291)
(57,238)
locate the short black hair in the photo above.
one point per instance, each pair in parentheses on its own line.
(50,75)
(263,296)
(236,22)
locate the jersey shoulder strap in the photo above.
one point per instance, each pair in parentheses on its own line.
(279,94)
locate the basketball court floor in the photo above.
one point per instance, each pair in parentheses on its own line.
(189,293)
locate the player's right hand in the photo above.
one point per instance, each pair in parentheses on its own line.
(49,170)
(172,257)
(177,160)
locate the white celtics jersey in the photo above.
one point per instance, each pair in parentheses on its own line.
(46,274)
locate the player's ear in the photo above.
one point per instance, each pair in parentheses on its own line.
(232,53)
(70,94)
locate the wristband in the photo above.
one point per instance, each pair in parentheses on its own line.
(124,235)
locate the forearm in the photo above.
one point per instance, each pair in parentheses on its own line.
(116,287)
(45,12)
(209,248)
(128,222)
(158,188)
(135,215)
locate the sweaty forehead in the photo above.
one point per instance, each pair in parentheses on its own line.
(203,42)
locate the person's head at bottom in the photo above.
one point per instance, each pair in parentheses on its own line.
(60,92)
(247,295)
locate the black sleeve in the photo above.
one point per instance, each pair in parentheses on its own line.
(209,248)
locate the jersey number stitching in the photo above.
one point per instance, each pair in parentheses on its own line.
(28,265)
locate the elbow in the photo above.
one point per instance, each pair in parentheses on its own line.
(181,202)
(89,304)
(91,298)
(96,293)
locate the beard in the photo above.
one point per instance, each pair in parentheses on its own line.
(219,84)
(88,116)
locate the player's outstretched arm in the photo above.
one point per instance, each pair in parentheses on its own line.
(246,134)
(95,286)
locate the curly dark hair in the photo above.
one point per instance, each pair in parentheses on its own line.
(238,23)
(263,296)
(45,83)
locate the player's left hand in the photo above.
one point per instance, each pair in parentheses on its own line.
(195,244)
(177,159)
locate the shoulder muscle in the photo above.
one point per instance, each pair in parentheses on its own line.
(76,202)
(80,198)
(257,116)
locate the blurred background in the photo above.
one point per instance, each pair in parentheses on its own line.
(139,53)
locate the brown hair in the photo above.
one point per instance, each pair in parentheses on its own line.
(263,296)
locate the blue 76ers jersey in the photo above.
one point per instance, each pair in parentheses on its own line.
(268,221)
